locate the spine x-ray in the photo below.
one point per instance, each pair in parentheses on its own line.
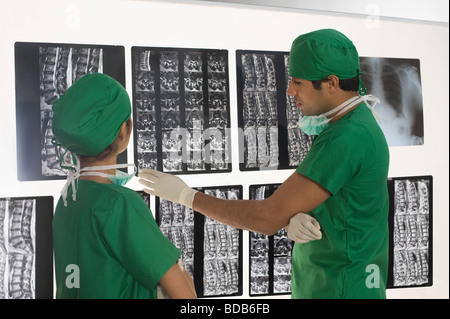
(270,256)
(44,72)
(222,251)
(17,249)
(181,103)
(59,68)
(211,251)
(26,248)
(410,224)
(177,224)
(396,82)
(267,115)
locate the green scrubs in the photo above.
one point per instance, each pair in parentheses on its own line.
(350,159)
(108,245)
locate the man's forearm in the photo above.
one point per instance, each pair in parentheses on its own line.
(297,194)
(250,215)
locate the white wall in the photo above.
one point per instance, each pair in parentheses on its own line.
(432,10)
(194,24)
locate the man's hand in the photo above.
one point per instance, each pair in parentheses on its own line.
(167,186)
(303,228)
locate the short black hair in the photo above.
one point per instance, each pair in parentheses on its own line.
(351,84)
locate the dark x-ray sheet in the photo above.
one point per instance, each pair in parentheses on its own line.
(26,248)
(396,82)
(44,71)
(411,235)
(269,135)
(212,251)
(181,110)
(270,256)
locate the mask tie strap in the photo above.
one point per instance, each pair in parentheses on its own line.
(93,170)
(354,101)
(72,178)
(340,109)
(105,167)
(371,98)
(362,89)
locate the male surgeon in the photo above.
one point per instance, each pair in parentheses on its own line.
(341,183)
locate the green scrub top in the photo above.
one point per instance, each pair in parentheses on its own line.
(350,159)
(108,245)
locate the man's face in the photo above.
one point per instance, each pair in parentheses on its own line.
(307,98)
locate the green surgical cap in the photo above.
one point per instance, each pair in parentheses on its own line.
(318,54)
(89,116)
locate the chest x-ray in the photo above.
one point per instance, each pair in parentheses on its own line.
(396,82)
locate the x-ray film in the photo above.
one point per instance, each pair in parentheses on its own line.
(270,137)
(44,71)
(26,250)
(181,110)
(211,251)
(410,221)
(145,196)
(222,258)
(270,256)
(177,224)
(396,82)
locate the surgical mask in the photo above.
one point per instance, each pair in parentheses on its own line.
(120,178)
(315,124)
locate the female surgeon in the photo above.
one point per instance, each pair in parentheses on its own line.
(106,241)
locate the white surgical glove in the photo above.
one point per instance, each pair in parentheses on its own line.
(303,228)
(167,186)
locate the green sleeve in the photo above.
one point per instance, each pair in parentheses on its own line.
(135,239)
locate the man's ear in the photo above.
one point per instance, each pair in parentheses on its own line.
(332,83)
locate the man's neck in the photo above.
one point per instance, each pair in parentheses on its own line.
(345,96)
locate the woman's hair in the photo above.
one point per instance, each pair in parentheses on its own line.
(111,149)
(351,84)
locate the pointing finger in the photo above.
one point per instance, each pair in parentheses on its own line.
(145,182)
(148,176)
